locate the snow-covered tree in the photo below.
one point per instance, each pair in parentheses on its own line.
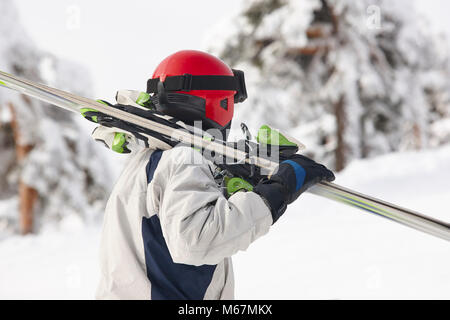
(351,78)
(50,165)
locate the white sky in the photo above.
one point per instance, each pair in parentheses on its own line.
(121,42)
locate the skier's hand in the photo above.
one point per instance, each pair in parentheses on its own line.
(299,173)
(293,177)
(116,141)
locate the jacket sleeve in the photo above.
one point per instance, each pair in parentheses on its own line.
(199,224)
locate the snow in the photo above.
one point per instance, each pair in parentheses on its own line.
(318,249)
(325,250)
(56,264)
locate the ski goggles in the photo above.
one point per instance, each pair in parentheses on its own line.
(188,82)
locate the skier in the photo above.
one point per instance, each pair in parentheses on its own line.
(169,231)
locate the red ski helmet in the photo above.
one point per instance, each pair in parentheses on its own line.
(193,85)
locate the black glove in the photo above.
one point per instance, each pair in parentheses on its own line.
(293,177)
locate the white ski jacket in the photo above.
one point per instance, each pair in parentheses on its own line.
(169,231)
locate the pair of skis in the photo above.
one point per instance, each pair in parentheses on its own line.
(155,126)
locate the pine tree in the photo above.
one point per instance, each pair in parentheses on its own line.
(352,79)
(50,166)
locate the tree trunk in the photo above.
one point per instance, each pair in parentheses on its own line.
(417,136)
(27,195)
(341,148)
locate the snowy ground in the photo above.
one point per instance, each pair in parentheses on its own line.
(319,249)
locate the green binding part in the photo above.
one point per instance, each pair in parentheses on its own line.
(85,110)
(119,142)
(237,184)
(102,102)
(143,99)
(3,84)
(206,138)
(267,135)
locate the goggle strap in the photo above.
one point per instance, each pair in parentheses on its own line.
(189,82)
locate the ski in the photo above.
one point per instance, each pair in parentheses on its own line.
(154,126)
